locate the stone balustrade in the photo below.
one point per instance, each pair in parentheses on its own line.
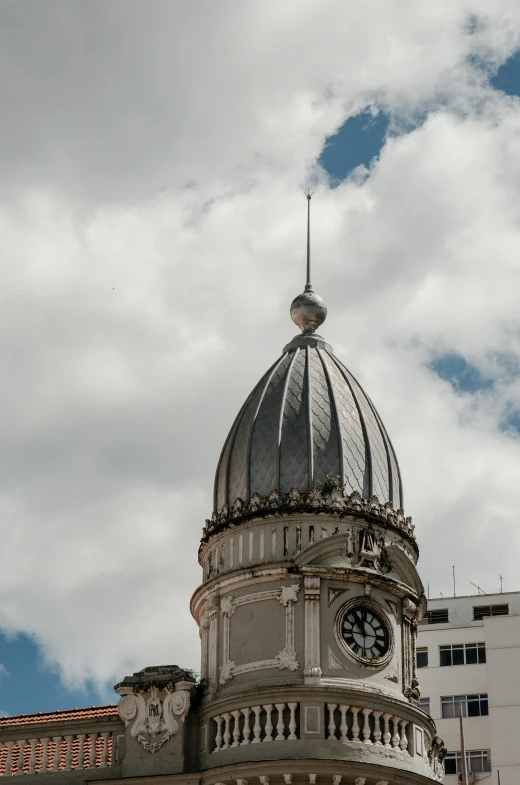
(367,726)
(66,753)
(256,724)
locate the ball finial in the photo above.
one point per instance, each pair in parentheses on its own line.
(308,311)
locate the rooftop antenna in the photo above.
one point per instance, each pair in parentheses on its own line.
(454,587)
(479,589)
(501,584)
(308,310)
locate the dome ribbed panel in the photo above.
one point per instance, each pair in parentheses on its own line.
(324,426)
(380,475)
(306,418)
(264,445)
(396,499)
(355,467)
(221,496)
(294,443)
(238,463)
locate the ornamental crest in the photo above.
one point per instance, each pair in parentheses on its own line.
(156,713)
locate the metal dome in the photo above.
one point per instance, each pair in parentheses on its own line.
(306,418)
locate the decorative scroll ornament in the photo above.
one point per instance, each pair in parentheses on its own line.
(438,753)
(286,659)
(338,502)
(155,721)
(153,710)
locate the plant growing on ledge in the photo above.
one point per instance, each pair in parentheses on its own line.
(331,481)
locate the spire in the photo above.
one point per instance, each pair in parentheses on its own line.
(308,285)
(308,310)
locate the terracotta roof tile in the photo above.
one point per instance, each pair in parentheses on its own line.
(65,715)
(57,753)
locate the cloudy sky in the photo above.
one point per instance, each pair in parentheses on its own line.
(152,226)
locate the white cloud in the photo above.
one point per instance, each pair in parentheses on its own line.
(152,235)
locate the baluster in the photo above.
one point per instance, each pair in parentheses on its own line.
(44,762)
(227,730)
(343,728)
(332,725)
(404,739)
(280,730)
(257,729)
(377,728)
(366,726)
(355,723)
(386,731)
(218,737)
(81,751)
(68,753)
(93,750)
(56,756)
(246,733)
(20,762)
(395,738)
(268,722)
(32,756)
(104,750)
(236,728)
(292,721)
(9,759)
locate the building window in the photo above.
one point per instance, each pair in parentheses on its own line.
(476,760)
(421,657)
(472,706)
(484,611)
(439,616)
(462,654)
(424,704)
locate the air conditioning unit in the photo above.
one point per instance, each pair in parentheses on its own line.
(470,776)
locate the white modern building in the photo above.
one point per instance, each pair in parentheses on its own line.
(468,655)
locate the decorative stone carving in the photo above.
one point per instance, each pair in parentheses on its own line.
(156,700)
(336,503)
(437,755)
(334,594)
(227,606)
(289,594)
(286,658)
(411,688)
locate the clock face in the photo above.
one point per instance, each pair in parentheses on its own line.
(365,633)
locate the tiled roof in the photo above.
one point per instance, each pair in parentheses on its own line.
(29,754)
(61,716)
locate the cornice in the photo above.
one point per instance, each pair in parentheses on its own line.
(336,504)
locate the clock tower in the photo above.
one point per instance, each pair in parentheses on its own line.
(310,599)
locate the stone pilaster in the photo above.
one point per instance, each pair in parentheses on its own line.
(312,671)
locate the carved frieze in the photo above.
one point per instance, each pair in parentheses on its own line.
(336,502)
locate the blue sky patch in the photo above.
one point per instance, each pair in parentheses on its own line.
(464,377)
(507,77)
(28,687)
(357,143)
